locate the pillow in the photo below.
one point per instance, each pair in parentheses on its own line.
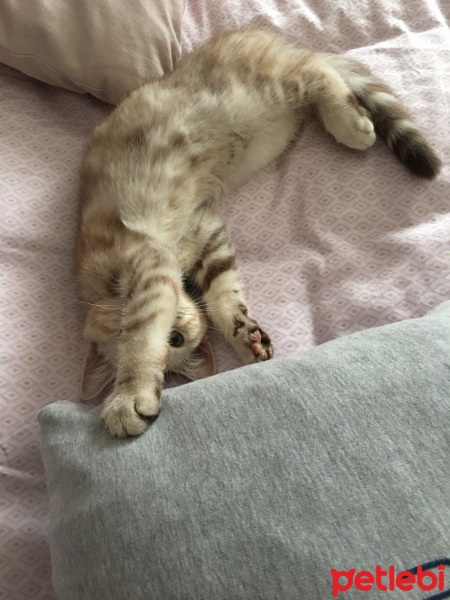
(257,483)
(105,47)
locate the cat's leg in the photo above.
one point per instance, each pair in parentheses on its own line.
(336,106)
(209,260)
(148,311)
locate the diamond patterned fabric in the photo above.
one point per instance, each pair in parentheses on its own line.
(330,241)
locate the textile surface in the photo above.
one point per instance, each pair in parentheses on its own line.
(329,242)
(100,47)
(256,483)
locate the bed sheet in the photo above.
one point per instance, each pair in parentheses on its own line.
(329,242)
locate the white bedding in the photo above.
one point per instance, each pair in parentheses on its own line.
(331,241)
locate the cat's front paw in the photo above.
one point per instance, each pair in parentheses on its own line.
(126,414)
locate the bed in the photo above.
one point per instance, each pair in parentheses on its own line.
(330,242)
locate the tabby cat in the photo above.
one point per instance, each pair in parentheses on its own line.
(150,178)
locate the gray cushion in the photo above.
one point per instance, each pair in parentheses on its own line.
(255,483)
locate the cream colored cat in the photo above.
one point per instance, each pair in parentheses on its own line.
(151,175)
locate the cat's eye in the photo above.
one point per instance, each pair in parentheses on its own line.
(176,339)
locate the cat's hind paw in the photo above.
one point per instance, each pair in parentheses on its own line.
(351,124)
(362,135)
(127,414)
(252,342)
(261,347)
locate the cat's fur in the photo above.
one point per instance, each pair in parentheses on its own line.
(150,177)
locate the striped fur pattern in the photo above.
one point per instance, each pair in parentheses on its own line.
(148,228)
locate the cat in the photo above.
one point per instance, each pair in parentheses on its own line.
(151,175)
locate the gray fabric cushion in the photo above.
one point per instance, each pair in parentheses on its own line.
(254,484)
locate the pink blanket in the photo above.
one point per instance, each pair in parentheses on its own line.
(329,242)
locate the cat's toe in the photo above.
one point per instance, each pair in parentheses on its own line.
(256,335)
(123,422)
(128,415)
(260,345)
(252,342)
(356,131)
(363,135)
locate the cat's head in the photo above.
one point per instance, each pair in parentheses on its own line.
(189,351)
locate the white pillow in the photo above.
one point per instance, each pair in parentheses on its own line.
(105,47)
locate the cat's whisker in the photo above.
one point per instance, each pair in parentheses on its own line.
(219,329)
(152,174)
(83,301)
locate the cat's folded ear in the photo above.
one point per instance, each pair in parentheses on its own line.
(207,366)
(98,373)
(201,363)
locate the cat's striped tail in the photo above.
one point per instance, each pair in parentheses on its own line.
(391,120)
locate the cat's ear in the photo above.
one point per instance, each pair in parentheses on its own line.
(207,366)
(202,364)
(98,373)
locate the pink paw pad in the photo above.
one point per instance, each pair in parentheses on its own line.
(257,347)
(256,336)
